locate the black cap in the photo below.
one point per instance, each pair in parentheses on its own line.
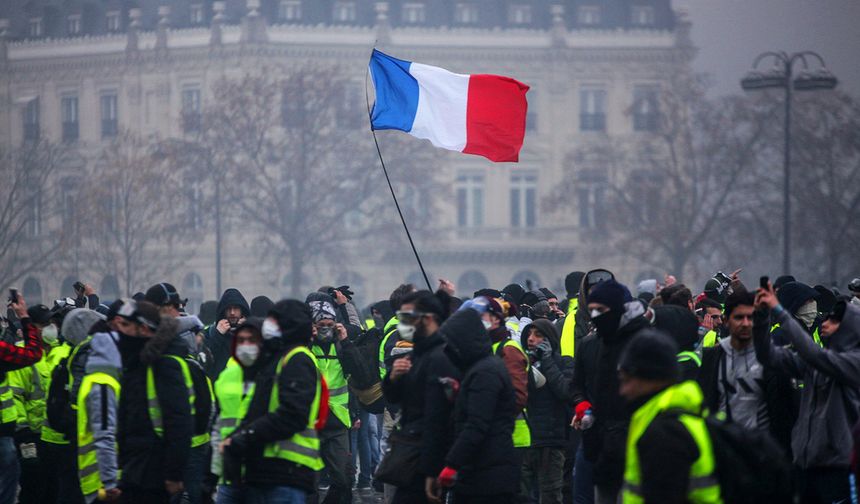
(162,294)
(784,279)
(651,355)
(39,314)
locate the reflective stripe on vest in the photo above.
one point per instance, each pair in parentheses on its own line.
(7,403)
(338,390)
(522,434)
(302,448)
(390,329)
(710,339)
(690,356)
(815,334)
(233,402)
(703,487)
(154,408)
(568,329)
(50,435)
(88,465)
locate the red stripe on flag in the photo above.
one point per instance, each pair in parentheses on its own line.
(495,117)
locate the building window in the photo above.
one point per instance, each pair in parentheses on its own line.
(192,288)
(470,200)
(642,15)
(34,214)
(69,112)
(520,14)
(588,15)
(112,21)
(194,198)
(35,27)
(413,13)
(32,291)
(73,24)
(349,113)
(592,110)
(344,12)
(591,196)
(532,112)
(290,10)
(109,115)
(645,108)
(68,204)
(523,197)
(32,130)
(196,14)
(469,282)
(466,13)
(191,109)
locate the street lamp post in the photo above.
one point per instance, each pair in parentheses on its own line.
(782,76)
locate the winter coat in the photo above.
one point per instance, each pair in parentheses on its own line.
(101,404)
(516,363)
(220,344)
(425,409)
(596,381)
(777,391)
(483,450)
(148,460)
(830,398)
(296,389)
(548,406)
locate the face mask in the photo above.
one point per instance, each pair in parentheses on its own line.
(247,353)
(807,313)
(487,324)
(594,314)
(606,324)
(50,335)
(271,330)
(325,334)
(406,331)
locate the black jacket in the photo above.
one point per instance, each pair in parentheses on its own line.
(483,450)
(549,406)
(777,387)
(147,460)
(221,344)
(426,411)
(296,389)
(596,380)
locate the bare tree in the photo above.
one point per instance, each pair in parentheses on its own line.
(826,166)
(673,191)
(300,167)
(134,219)
(29,204)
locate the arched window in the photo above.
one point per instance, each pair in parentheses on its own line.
(356,285)
(109,291)
(471,281)
(192,289)
(67,288)
(528,279)
(32,291)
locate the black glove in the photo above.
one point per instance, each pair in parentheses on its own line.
(239,442)
(543,350)
(344,289)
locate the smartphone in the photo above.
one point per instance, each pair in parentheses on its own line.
(79,287)
(13,295)
(763,282)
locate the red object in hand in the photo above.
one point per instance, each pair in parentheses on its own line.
(447,477)
(581,408)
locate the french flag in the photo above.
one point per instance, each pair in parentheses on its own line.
(474,114)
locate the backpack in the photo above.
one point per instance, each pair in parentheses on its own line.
(58,404)
(362,369)
(751,466)
(202,397)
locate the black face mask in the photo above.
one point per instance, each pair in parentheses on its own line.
(607,324)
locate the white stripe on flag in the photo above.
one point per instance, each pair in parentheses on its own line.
(441,114)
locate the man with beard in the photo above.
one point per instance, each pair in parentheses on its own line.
(275,452)
(155,408)
(232,311)
(616,318)
(413,384)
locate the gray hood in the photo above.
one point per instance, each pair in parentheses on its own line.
(77,325)
(847,338)
(104,355)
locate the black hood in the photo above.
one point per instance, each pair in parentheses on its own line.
(384,309)
(679,323)
(468,341)
(548,330)
(793,295)
(235,298)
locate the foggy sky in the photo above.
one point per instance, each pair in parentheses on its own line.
(731,33)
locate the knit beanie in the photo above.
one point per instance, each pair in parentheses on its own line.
(610,293)
(652,355)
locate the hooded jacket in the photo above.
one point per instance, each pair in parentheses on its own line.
(484,413)
(830,398)
(548,411)
(148,460)
(101,405)
(219,344)
(596,381)
(583,318)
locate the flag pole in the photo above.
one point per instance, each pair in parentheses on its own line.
(388,179)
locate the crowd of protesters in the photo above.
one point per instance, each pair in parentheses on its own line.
(731,394)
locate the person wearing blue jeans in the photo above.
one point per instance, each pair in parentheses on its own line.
(10,470)
(366,442)
(583,479)
(266,494)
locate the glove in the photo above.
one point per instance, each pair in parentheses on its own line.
(581,408)
(543,350)
(447,477)
(344,289)
(238,444)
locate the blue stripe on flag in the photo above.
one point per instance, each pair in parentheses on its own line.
(396,93)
